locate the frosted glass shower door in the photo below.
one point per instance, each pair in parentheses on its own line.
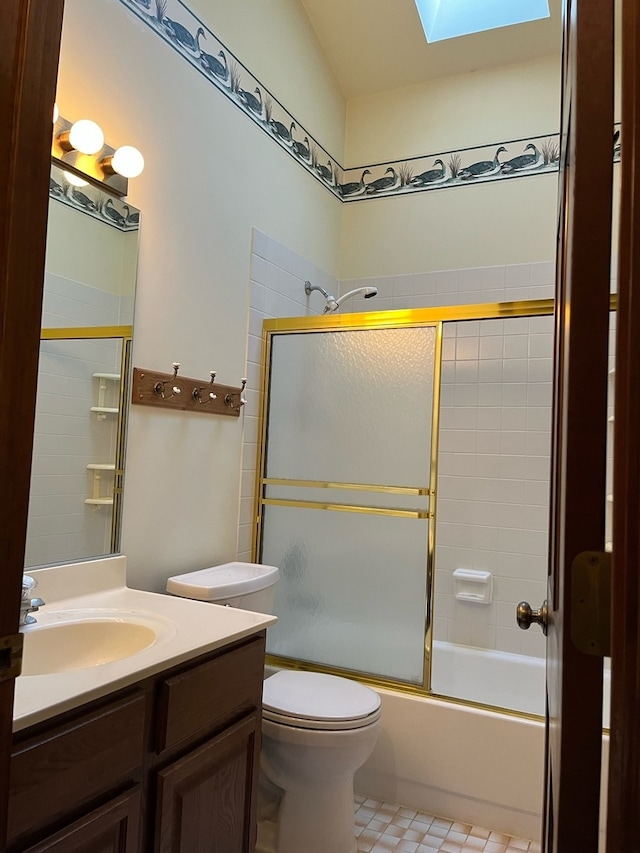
(347,483)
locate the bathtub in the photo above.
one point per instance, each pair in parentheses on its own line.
(513,682)
(461,761)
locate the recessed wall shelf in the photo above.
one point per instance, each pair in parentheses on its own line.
(170,391)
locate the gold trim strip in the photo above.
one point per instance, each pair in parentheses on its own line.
(120,450)
(363,487)
(369,510)
(411,316)
(431,532)
(86,333)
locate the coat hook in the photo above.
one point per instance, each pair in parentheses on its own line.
(229,398)
(158,388)
(197,392)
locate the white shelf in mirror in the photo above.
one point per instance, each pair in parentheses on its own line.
(96,500)
(103,385)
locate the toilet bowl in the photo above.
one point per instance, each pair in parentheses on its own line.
(317,729)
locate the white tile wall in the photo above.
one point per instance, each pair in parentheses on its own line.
(277,282)
(493,447)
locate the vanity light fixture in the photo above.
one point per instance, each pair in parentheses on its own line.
(79,149)
(84,136)
(75,180)
(126,161)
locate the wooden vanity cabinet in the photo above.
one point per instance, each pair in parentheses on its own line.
(168,765)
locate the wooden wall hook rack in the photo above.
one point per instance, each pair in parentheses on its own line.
(171,391)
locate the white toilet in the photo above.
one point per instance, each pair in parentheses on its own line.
(317,729)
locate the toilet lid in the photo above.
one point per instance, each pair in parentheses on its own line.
(318,698)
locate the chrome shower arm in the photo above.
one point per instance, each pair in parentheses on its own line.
(308,288)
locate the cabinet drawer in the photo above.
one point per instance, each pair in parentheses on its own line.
(57,773)
(197,700)
(112,828)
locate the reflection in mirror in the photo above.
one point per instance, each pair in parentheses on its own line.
(78,454)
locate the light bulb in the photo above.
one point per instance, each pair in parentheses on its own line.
(55,113)
(75,180)
(86,136)
(127,161)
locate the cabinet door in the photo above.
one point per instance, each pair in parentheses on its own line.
(205,800)
(113,828)
(70,767)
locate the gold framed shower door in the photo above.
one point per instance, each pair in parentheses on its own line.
(393,319)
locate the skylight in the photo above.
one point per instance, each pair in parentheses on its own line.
(445,19)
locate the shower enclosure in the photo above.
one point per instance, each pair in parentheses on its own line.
(403,492)
(347,495)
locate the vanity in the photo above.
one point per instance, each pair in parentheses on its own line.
(137,720)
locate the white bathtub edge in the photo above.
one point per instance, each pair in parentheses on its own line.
(459,762)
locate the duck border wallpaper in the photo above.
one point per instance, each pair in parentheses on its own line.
(180,28)
(93,202)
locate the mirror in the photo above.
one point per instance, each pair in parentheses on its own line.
(87,321)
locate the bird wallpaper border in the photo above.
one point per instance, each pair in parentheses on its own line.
(180,28)
(93,202)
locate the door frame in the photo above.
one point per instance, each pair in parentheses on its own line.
(623,804)
(30,32)
(579,425)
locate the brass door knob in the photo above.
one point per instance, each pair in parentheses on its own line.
(526,616)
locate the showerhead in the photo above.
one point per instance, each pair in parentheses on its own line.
(367,292)
(334,304)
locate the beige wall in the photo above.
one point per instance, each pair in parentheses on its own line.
(210,175)
(492,223)
(86,250)
(455,112)
(275,39)
(506,222)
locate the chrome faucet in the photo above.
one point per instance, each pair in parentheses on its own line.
(28,605)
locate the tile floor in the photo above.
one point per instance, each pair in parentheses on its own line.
(383,828)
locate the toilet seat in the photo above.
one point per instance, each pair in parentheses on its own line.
(312,700)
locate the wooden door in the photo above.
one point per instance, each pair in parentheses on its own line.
(29,47)
(574,679)
(206,800)
(623,820)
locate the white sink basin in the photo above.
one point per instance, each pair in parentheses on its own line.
(67,646)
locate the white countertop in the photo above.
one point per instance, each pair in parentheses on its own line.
(97,589)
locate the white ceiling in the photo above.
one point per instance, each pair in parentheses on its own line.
(375,45)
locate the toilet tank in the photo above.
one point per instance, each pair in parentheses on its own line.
(249,586)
